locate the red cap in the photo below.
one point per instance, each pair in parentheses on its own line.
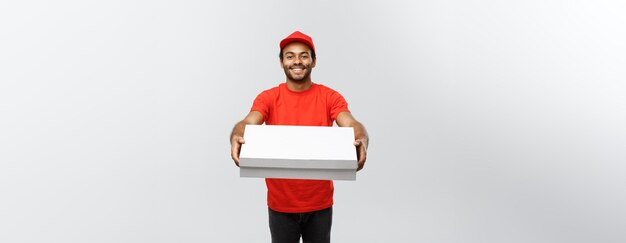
(297,37)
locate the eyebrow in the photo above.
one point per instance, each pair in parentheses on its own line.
(290,52)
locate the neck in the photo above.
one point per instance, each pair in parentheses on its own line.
(299,86)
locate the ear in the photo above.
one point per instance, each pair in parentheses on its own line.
(313,63)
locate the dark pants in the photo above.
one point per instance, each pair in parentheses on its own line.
(313,226)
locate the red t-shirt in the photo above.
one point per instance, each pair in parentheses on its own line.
(317,106)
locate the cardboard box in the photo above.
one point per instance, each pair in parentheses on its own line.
(298,152)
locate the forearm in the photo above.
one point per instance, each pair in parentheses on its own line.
(345,119)
(253,118)
(238,130)
(360,132)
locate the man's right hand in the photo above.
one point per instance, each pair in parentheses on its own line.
(235,144)
(236,137)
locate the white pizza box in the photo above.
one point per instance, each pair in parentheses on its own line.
(298,152)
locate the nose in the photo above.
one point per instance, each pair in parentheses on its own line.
(297,60)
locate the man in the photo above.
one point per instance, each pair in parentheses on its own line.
(300,207)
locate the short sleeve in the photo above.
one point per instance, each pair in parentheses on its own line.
(261,104)
(337,104)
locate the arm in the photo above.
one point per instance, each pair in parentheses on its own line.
(361,140)
(236,136)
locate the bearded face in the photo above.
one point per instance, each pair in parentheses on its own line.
(297,62)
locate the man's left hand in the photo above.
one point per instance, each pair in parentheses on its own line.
(361,152)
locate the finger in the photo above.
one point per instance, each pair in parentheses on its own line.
(238,139)
(362,155)
(236,159)
(357,142)
(234,148)
(234,153)
(360,165)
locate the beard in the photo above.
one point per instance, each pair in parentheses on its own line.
(299,77)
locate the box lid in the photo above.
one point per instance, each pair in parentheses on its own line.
(301,147)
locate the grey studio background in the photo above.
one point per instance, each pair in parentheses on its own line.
(490,121)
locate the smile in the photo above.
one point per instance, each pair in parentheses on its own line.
(297,70)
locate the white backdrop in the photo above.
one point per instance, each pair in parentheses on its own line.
(490,121)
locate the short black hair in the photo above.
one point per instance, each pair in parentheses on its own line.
(280,55)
